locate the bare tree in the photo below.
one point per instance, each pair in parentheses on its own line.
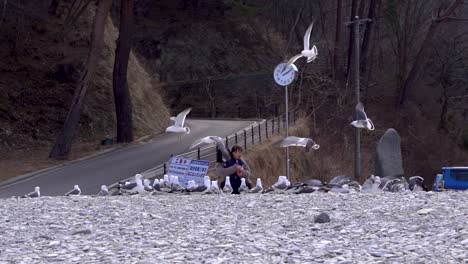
(122,100)
(62,146)
(435,23)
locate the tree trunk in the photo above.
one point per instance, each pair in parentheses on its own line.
(52,10)
(336,50)
(418,62)
(122,100)
(62,146)
(365,49)
(351,34)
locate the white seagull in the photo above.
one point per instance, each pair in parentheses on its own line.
(104,191)
(243,187)
(147,185)
(258,188)
(214,187)
(34,194)
(179,121)
(134,187)
(227,185)
(309,52)
(291,141)
(213,140)
(362,120)
(76,191)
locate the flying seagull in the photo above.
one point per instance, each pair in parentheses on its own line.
(179,121)
(362,120)
(74,192)
(309,52)
(104,191)
(290,141)
(34,194)
(213,140)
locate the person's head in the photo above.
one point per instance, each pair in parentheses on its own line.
(236,152)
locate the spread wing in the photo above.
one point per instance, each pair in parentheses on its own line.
(360,114)
(311,145)
(291,62)
(307,36)
(180,119)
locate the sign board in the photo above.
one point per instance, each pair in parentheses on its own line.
(188,169)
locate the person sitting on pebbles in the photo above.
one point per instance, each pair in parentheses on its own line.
(235,167)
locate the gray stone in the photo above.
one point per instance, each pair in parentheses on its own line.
(388,160)
(322,218)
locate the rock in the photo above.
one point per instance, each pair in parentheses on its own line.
(425,211)
(380,252)
(83,232)
(388,160)
(322,218)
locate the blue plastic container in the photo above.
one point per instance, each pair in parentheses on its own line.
(455,178)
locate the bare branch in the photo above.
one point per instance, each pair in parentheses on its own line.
(457,18)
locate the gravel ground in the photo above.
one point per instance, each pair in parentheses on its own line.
(269,228)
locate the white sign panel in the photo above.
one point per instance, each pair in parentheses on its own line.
(187,169)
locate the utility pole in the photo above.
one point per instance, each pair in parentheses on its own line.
(357,155)
(286,95)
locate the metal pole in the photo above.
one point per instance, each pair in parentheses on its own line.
(252,132)
(198,153)
(357,160)
(227,143)
(236,137)
(260,133)
(165,168)
(287,131)
(273,126)
(245,139)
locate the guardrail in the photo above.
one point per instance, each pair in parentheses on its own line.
(247,138)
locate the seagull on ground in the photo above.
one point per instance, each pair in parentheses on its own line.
(258,187)
(293,141)
(227,185)
(416,184)
(104,191)
(309,52)
(179,122)
(362,120)
(214,187)
(34,194)
(134,187)
(76,191)
(147,185)
(243,187)
(371,185)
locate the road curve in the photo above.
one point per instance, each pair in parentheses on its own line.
(111,167)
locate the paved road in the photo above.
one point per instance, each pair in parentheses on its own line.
(108,168)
